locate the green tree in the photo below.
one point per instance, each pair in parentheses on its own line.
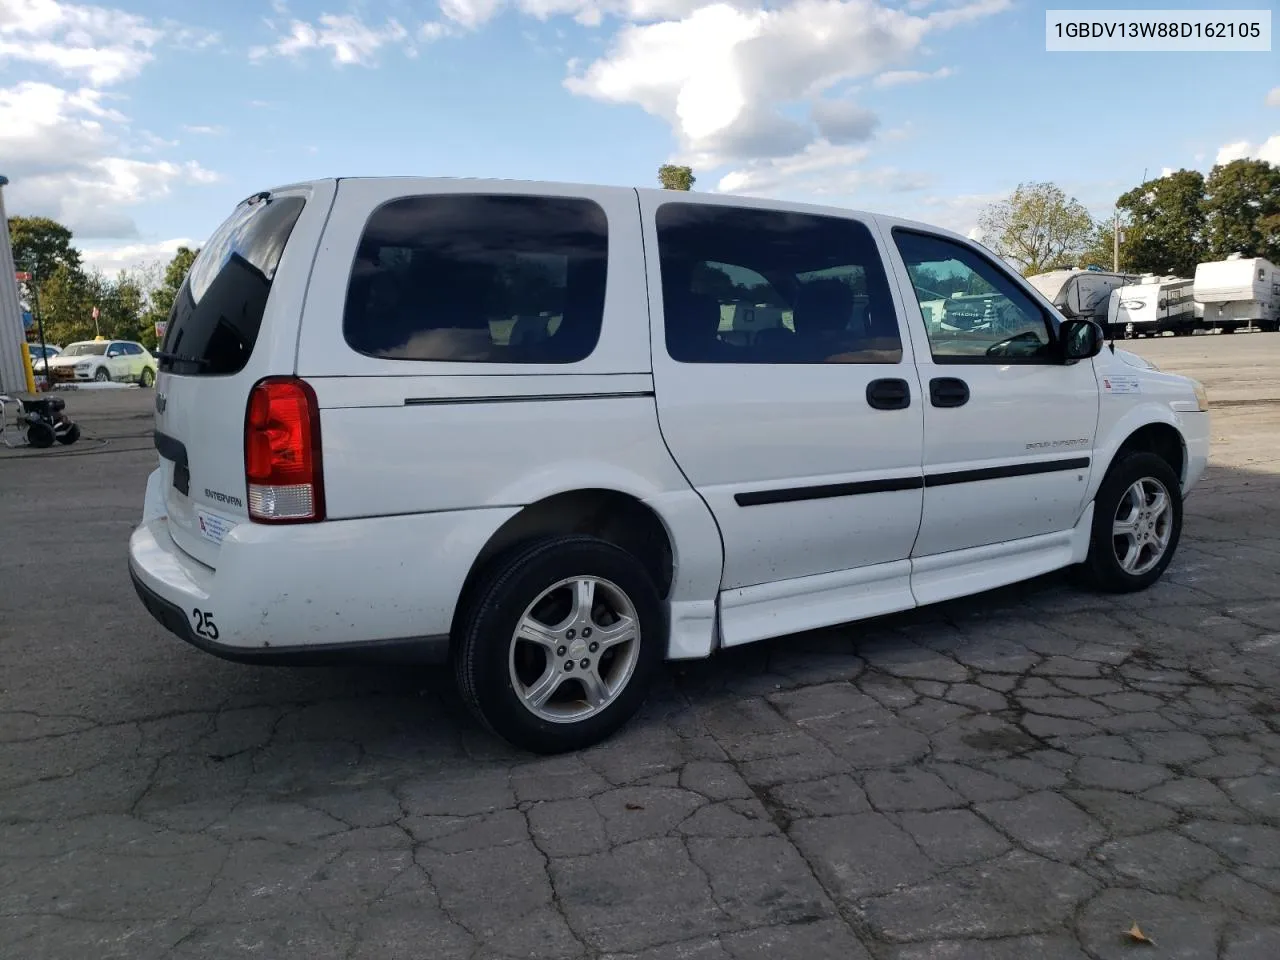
(1242,210)
(1037,228)
(122,305)
(161,298)
(674,177)
(1100,250)
(41,245)
(174,276)
(66,305)
(1163,225)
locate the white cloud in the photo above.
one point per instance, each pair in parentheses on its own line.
(1233,151)
(346,38)
(958,212)
(471,13)
(1268,150)
(1166,171)
(731,78)
(1273,98)
(204,130)
(896,78)
(819,159)
(821,170)
(96,44)
(64,153)
(843,121)
(111,260)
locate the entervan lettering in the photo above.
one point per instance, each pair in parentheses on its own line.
(223,497)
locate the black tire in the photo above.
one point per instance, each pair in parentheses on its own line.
(1102,567)
(40,435)
(147,378)
(71,436)
(101,375)
(487,625)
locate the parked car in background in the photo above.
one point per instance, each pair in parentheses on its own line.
(120,361)
(38,352)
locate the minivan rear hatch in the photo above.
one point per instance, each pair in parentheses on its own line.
(233,321)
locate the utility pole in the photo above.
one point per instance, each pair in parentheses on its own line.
(13,365)
(1115,248)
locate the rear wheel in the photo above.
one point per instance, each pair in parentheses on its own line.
(559,643)
(70,435)
(1137,522)
(148,378)
(101,375)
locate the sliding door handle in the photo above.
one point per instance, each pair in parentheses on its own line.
(948,392)
(889,394)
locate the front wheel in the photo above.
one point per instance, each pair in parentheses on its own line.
(1137,522)
(559,643)
(101,375)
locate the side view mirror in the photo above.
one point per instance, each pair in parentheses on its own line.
(1080,339)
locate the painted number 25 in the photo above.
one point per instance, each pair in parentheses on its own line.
(205,627)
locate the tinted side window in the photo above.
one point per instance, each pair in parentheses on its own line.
(215,319)
(479,278)
(972,311)
(763,286)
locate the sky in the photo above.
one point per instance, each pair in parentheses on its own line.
(141,123)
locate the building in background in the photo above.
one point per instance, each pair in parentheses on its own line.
(13,368)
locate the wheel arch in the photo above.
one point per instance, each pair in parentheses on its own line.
(1147,431)
(617,517)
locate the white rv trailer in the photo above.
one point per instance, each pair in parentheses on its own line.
(1238,291)
(1080,293)
(1152,306)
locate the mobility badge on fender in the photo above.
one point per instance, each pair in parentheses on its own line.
(161,401)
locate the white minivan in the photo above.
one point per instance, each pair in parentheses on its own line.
(555,434)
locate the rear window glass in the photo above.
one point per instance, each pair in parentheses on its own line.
(479,278)
(215,319)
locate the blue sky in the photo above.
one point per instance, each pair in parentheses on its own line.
(140,123)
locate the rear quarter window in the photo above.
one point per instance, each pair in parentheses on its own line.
(217,313)
(479,278)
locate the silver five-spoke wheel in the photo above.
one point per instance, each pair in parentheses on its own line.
(574,649)
(1143,526)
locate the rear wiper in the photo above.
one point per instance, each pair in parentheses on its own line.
(181,358)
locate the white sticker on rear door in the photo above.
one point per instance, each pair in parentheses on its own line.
(213,527)
(1121,384)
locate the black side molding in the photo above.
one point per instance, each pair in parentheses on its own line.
(1000,473)
(756,498)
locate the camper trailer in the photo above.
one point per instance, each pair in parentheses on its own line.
(1080,293)
(1238,291)
(1152,306)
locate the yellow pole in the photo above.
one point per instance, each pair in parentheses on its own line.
(26,366)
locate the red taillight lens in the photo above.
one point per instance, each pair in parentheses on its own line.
(282,452)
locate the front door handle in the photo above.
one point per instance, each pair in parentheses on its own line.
(889,394)
(948,392)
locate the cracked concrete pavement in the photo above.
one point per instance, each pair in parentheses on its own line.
(1022,774)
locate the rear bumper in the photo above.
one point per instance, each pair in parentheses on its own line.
(379,588)
(424,650)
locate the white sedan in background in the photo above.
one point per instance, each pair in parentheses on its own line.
(121,361)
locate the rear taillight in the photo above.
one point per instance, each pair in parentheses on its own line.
(282,452)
